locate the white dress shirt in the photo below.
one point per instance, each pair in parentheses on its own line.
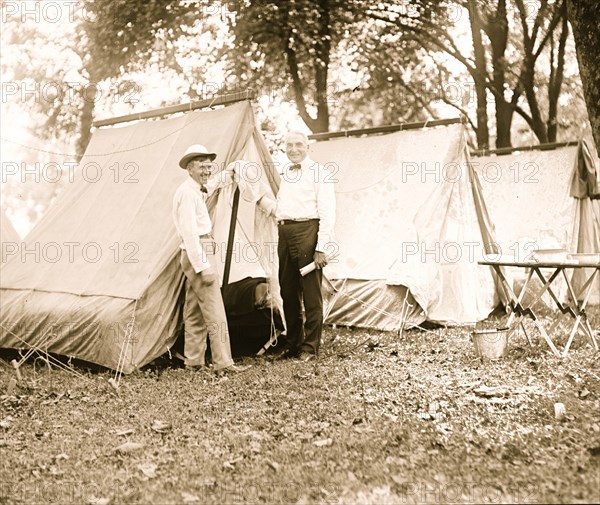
(191,218)
(308,193)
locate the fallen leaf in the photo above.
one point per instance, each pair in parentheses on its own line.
(122,433)
(189,498)
(324,442)
(148,469)
(129,447)
(275,466)
(161,426)
(53,470)
(399,479)
(491,391)
(5,423)
(93,500)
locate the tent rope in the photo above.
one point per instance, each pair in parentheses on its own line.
(32,348)
(124,348)
(48,357)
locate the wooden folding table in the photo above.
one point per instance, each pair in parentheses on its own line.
(574,305)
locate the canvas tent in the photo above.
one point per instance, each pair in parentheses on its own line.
(102,280)
(410,225)
(9,238)
(542,200)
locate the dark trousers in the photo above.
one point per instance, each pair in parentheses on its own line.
(297,243)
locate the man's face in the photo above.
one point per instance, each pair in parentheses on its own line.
(296,147)
(200,170)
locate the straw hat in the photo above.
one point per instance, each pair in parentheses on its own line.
(194,151)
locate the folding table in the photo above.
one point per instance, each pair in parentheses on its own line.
(574,306)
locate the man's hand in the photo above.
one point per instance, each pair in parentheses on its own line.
(208,277)
(268,205)
(319,259)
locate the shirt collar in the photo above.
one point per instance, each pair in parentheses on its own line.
(193,184)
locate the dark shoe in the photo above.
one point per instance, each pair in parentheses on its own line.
(305,357)
(288,354)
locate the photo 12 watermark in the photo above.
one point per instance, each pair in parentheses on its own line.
(465,492)
(452,172)
(72,252)
(68,492)
(70,92)
(54,172)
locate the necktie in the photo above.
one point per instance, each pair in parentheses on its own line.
(296,166)
(203,189)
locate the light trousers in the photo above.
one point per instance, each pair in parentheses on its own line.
(204,316)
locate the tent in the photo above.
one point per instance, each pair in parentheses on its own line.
(542,200)
(9,238)
(102,280)
(411,225)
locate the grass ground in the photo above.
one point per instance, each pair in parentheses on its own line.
(377,419)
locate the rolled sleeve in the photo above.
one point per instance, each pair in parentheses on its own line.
(268,205)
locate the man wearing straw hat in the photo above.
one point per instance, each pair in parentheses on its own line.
(204,312)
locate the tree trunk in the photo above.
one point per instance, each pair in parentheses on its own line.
(556,80)
(482,132)
(86,120)
(322,50)
(496,28)
(584,16)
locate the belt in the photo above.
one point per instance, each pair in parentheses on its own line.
(296,221)
(207,236)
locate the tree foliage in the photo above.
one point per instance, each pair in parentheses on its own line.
(303,46)
(512,48)
(342,62)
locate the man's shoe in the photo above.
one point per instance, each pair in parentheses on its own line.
(196,368)
(288,354)
(305,357)
(233,369)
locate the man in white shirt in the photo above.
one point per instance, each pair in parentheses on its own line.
(305,215)
(204,313)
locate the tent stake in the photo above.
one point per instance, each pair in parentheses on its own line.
(17,369)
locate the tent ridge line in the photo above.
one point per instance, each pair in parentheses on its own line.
(184,107)
(386,129)
(549,146)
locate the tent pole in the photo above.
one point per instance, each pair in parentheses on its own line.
(537,147)
(185,107)
(385,129)
(228,256)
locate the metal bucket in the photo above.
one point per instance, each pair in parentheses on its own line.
(490,344)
